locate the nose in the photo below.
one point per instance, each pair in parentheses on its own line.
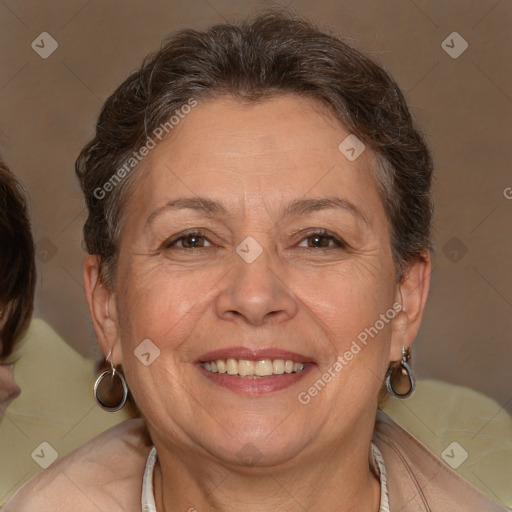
(256,293)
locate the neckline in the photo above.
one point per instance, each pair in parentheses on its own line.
(148,496)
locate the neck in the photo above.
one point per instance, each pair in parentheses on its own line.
(337,478)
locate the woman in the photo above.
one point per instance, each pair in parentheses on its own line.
(258,230)
(35,361)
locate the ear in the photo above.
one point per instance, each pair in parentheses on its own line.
(102,307)
(411,294)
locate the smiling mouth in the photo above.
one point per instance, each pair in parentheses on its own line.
(246,368)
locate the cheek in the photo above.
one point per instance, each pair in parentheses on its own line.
(354,312)
(157,312)
(356,321)
(346,301)
(163,305)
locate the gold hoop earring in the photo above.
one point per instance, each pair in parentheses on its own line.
(110,389)
(400,381)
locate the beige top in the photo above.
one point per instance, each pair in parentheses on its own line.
(468,431)
(107,474)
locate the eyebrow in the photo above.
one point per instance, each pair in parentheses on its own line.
(294,209)
(305,206)
(201,204)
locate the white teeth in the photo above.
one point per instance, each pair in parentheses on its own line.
(231,366)
(263,368)
(278,366)
(245,368)
(254,369)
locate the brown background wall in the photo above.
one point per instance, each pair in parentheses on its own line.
(48,109)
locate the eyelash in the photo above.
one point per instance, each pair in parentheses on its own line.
(170,243)
(338,242)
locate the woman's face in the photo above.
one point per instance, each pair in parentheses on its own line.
(251,236)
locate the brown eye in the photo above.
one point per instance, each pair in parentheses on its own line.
(319,240)
(322,240)
(189,241)
(192,241)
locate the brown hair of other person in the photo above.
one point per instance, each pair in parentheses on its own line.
(17,260)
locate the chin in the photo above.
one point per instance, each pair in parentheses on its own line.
(256,443)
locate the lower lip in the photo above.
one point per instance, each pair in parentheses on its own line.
(259,386)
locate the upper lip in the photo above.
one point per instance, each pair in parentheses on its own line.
(253,355)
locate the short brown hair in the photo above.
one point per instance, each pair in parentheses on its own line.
(273,54)
(18,271)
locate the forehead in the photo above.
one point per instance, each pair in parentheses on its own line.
(282,148)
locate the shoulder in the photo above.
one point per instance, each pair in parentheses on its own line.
(417,477)
(467,430)
(103,474)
